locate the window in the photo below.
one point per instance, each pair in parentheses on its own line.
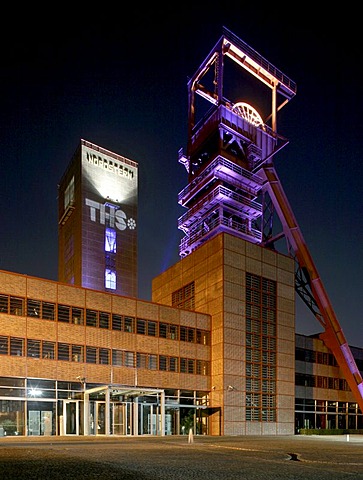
(33,348)
(69,194)
(173,364)
(140,326)
(151,328)
(141,360)
(110,240)
(104,320)
(261,349)
(191,366)
(4,345)
(117,357)
(162,362)
(173,332)
(110,261)
(183,334)
(191,333)
(91,355)
(63,313)
(129,359)
(184,297)
(48,350)
(202,367)
(33,308)
(63,351)
(48,310)
(129,324)
(110,279)
(163,330)
(4,304)
(202,337)
(183,365)
(104,356)
(152,362)
(91,318)
(16,306)
(77,353)
(116,322)
(77,316)
(17,346)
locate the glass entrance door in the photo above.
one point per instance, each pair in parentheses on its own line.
(71,417)
(100,418)
(41,417)
(119,419)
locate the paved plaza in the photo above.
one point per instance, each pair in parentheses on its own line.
(182,457)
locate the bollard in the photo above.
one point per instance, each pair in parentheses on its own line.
(190,436)
(348,437)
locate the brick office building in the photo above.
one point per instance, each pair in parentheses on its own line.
(216,349)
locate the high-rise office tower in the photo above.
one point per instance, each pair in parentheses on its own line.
(97,226)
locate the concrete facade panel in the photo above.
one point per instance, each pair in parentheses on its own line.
(286,305)
(253,251)
(98,301)
(41,290)
(70,295)
(286,291)
(269,257)
(269,271)
(39,329)
(124,305)
(147,310)
(235,260)
(233,306)
(253,266)
(11,282)
(233,274)
(234,290)
(236,322)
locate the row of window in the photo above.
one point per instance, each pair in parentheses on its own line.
(312,356)
(260,407)
(311,405)
(319,381)
(184,297)
(185,397)
(105,356)
(261,349)
(324,358)
(99,319)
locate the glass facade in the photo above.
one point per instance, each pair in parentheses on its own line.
(39,407)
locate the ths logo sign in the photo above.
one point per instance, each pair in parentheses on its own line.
(116,218)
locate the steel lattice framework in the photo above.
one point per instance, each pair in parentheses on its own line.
(233,185)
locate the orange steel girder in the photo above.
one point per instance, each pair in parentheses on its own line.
(333,335)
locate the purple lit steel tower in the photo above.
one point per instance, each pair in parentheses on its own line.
(233,186)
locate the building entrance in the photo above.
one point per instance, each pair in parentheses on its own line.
(97,416)
(72,420)
(121,418)
(123,411)
(40,422)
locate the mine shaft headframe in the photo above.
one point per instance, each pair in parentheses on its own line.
(246,57)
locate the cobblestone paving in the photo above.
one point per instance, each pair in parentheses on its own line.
(169,458)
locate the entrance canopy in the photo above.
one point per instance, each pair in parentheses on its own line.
(124,390)
(116,393)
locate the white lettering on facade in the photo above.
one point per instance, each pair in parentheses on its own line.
(114,218)
(109,165)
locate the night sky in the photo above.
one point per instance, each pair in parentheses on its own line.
(120,82)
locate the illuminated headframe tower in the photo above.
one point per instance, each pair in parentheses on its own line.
(232,183)
(97,228)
